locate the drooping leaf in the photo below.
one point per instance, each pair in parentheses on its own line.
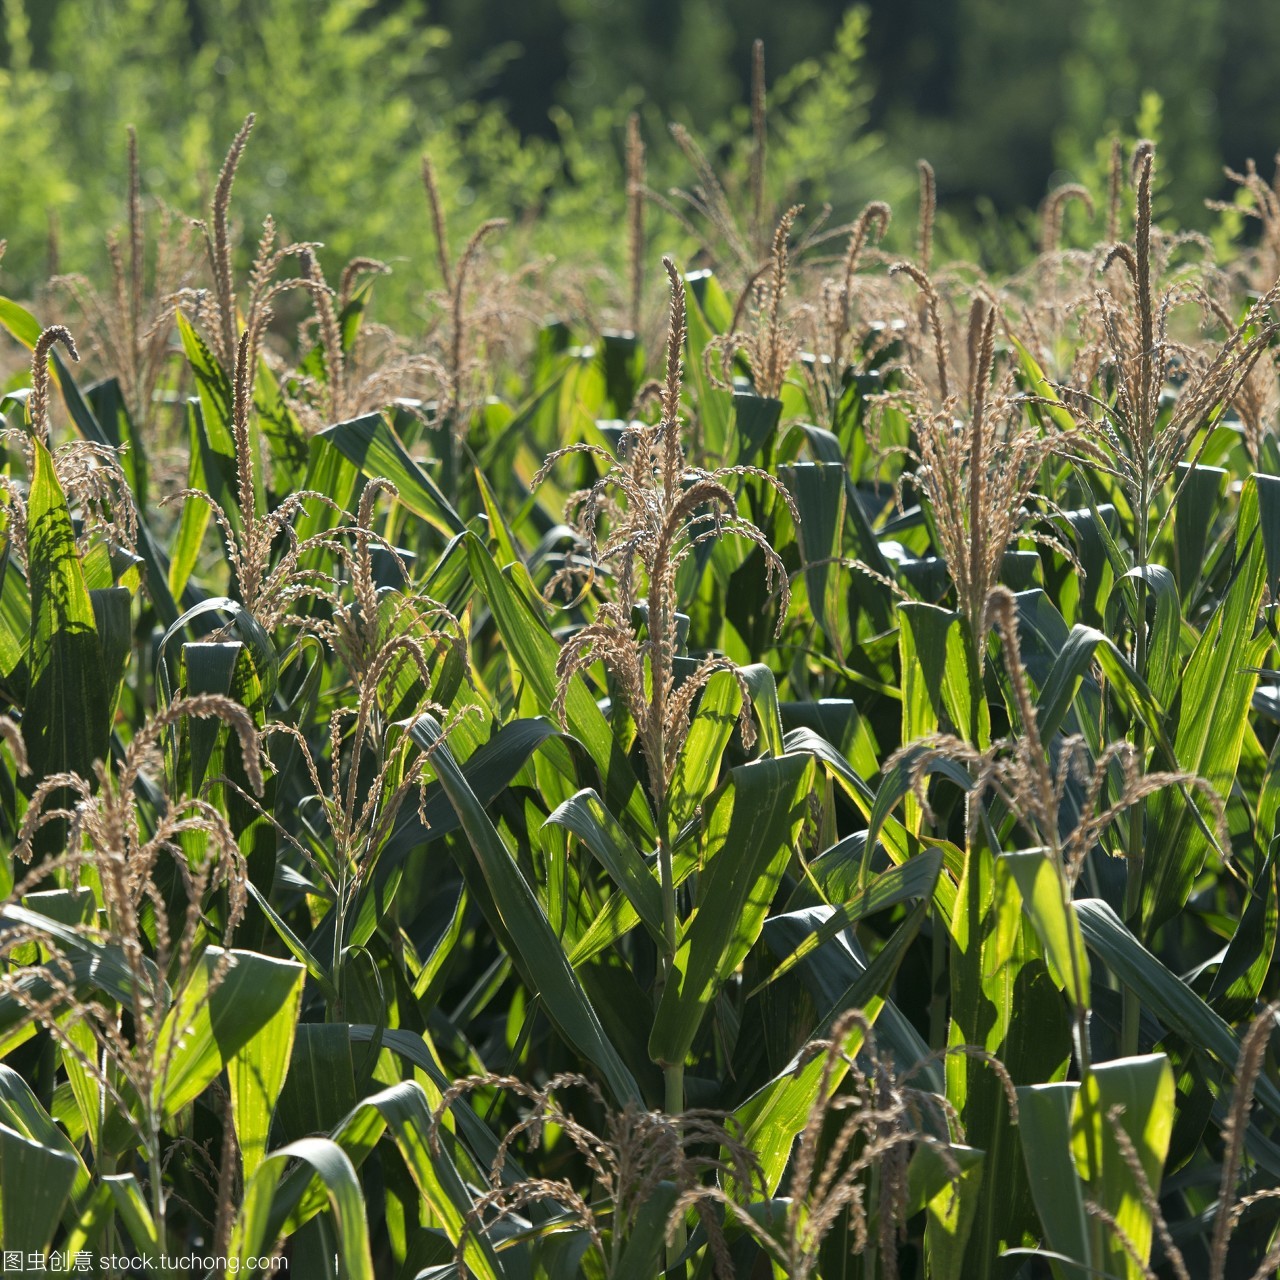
(539,950)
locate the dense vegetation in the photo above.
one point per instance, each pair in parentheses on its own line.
(772,776)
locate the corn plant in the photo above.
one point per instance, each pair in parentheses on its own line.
(812,814)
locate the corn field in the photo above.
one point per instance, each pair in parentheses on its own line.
(763,763)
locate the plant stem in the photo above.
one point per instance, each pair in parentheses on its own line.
(1136,850)
(672,1072)
(156,1170)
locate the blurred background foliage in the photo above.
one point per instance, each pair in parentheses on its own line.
(522,107)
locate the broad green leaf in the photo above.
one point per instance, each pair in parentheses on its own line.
(418,1053)
(641,1257)
(1164,633)
(106,403)
(532,651)
(112,613)
(87,416)
(1142,1090)
(755,420)
(340,1182)
(819,491)
(255,1075)
(21,1112)
(588,819)
(372,444)
(1248,958)
(750,830)
(698,764)
(715,407)
(407,1114)
(1198,507)
(135,1213)
(185,547)
(916,878)
(1163,992)
(1003,1001)
(1044,899)
(228,1000)
(211,419)
(103,964)
(618,916)
(20,322)
(1044,1118)
(15,621)
(764,698)
(320,1087)
(951,1210)
(936,640)
(1216,691)
(539,951)
(35,1181)
(774,1115)
(296,947)
(67,718)
(1047,400)
(1268,490)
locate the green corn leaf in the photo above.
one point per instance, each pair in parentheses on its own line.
(951,1208)
(214,1017)
(750,831)
(187,541)
(1268,490)
(532,651)
(133,1210)
(372,444)
(771,1118)
(296,947)
(211,419)
(1164,634)
(1045,1118)
(1143,1091)
(763,688)
(1248,958)
(715,407)
(320,1087)
(1163,992)
(21,1112)
(35,1181)
(336,1174)
(913,880)
(405,1110)
(588,819)
(819,491)
(256,1074)
(698,764)
(1047,399)
(20,322)
(1198,508)
(936,652)
(539,952)
(106,403)
(1041,886)
(103,419)
(67,719)
(1216,690)
(618,916)
(418,1053)
(642,1255)
(102,964)
(265,660)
